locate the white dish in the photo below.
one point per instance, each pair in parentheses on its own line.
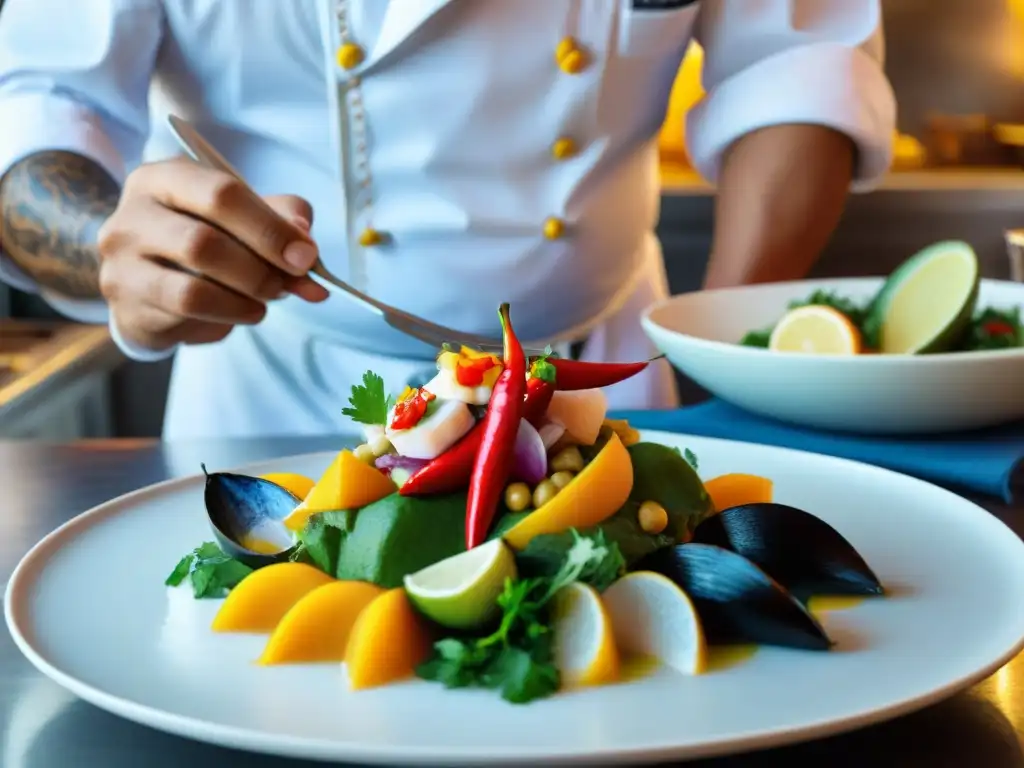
(699,333)
(88,608)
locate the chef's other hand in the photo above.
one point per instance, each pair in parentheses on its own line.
(189,253)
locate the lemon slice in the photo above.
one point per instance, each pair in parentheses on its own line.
(651,616)
(461,592)
(815,330)
(585,651)
(927,302)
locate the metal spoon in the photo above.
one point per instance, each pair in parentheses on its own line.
(436,335)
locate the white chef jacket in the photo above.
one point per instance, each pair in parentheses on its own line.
(441,138)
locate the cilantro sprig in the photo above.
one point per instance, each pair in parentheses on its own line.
(211,572)
(369,403)
(517,658)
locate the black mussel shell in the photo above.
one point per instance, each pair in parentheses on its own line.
(242,509)
(802,552)
(737,602)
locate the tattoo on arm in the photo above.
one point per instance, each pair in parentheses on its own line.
(52,205)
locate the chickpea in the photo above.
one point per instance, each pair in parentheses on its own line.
(562,479)
(543,493)
(365,454)
(653,517)
(517,497)
(381,446)
(568,459)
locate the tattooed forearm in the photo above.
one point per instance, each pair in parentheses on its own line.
(52,205)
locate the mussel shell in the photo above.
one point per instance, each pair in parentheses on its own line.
(800,551)
(737,602)
(239,506)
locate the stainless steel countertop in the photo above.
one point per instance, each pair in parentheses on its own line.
(41,726)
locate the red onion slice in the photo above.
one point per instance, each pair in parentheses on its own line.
(390,461)
(530,457)
(550,433)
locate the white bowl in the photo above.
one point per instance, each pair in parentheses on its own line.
(699,333)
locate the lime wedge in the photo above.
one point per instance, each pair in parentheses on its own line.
(926,304)
(461,592)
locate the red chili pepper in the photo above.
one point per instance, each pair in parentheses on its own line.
(409,411)
(578,374)
(538,398)
(500,426)
(999,328)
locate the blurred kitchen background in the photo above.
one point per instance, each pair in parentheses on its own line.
(958,70)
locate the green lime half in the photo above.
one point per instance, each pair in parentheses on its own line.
(926,304)
(461,591)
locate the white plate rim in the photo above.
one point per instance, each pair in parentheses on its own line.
(34,561)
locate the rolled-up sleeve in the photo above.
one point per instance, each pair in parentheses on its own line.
(777,62)
(75,76)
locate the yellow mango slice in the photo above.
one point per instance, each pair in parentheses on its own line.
(735,489)
(299,485)
(263,597)
(388,641)
(594,495)
(317,628)
(347,483)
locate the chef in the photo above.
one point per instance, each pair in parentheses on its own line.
(443,156)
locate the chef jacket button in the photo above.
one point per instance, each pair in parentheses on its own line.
(563,148)
(370,237)
(569,57)
(350,55)
(553,228)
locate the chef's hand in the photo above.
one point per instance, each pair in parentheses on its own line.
(189,253)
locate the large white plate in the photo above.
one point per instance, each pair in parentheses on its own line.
(87,606)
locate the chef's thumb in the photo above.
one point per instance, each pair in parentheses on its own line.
(293,209)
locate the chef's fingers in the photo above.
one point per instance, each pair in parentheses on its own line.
(221,199)
(150,230)
(153,328)
(293,208)
(165,286)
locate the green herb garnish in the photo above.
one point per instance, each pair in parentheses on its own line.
(542,369)
(691,459)
(517,658)
(369,403)
(211,572)
(995,329)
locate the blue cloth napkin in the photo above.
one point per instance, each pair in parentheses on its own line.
(989,461)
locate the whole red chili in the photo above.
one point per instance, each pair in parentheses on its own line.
(500,425)
(579,374)
(451,471)
(538,398)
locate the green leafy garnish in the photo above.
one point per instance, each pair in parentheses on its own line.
(542,369)
(691,459)
(369,403)
(212,573)
(757,338)
(995,329)
(517,657)
(320,541)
